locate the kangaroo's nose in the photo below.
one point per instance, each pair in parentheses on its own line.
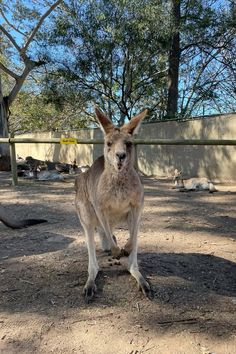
(121,155)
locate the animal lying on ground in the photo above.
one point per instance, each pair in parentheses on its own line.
(9,220)
(192,184)
(108,193)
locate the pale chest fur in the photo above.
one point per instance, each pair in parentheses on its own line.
(117,194)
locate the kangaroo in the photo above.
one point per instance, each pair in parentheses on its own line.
(17,224)
(108,193)
(192,184)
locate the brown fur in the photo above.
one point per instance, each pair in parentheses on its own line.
(111,192)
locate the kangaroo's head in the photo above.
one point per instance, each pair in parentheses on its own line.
(177,175)
(118,142)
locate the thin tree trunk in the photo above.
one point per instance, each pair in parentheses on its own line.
(174,60)
(4,148)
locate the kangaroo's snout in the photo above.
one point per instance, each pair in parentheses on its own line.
(121,156)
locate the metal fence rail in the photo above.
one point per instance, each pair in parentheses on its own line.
(229,142)
(12,141)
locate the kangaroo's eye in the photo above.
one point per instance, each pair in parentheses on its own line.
(128,144)
(109,143)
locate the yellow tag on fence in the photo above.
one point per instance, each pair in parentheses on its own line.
(68,141)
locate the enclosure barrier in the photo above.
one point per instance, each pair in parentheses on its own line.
(12,141)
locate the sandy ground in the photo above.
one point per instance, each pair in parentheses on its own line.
(187,250)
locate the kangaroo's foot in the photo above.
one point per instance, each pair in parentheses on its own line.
(143,284)
(145,287)
(89,290)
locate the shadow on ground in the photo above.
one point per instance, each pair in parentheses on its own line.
(44,269)
(190,290)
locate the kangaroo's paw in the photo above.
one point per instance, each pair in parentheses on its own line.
(124,253)
(116,251)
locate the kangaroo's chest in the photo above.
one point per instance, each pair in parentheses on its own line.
(116,208)
(118,198)
(115,197)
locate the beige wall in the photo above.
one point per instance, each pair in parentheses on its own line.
(216,162)
(84,154)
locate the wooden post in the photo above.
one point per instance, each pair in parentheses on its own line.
(13,161)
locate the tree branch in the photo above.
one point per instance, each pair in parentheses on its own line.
(10,24)
(9,72)
(204,66)
(20,81)
(11,39)
(35,30)
(29,64)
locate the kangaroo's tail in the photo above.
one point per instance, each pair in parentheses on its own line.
(20,224)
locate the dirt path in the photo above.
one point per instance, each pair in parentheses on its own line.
(187,251)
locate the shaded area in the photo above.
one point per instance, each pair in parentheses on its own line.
(200,272)
(189,289)
(32,244)
(186,251)
(196,291)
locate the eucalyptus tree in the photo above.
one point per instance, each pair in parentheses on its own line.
(174,60)
(113,52)
(207,81)
(20,25)
(37,111)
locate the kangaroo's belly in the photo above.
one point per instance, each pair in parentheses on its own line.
(115,221)
(116,202)
(115,210)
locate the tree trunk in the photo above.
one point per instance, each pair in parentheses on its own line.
(4,148)
(174,60)
(5,102)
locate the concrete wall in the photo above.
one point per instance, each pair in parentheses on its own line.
(216,162)
(84,154)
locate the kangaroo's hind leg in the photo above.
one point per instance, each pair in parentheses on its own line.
(87,219)
(132,249)
(90,286)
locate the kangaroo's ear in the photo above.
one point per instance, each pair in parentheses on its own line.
(104,122)
(133,126)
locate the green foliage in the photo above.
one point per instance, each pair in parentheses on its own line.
(31,112)
(208,58)
(114,52)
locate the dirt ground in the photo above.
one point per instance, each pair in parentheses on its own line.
(187,247)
